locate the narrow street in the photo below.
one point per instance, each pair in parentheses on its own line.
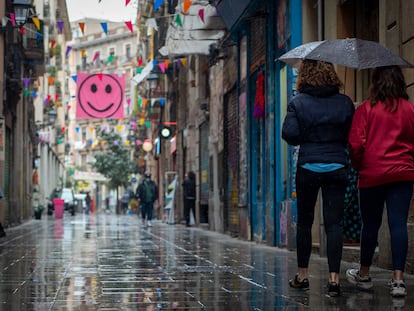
(111,262)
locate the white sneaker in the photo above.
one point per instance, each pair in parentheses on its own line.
(149,223)
(398,288)
(353,277)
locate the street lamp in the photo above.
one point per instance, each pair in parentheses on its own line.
(153,82)
(52,116)
(21,11)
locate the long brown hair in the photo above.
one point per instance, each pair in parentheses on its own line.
(316,73)
(387,86)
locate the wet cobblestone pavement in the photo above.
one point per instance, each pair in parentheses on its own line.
(111,262)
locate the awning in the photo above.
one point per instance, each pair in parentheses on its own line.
(91,176)
(231,10)
(137,79)
(194,32)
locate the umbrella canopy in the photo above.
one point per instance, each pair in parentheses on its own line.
(295,56)
(354,53)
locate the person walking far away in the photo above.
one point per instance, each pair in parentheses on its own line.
(381,144)
(318,120)
(125,201)
(147,193)
(88,201)
(2,232)
(189,189)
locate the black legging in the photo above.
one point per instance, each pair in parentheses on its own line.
(333,185)
(189,205)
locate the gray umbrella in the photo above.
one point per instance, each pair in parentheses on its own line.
(294,56)
(356,53)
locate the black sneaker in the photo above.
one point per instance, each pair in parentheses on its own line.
(295,283)
(333,289)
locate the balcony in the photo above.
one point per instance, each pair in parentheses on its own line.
(33,48)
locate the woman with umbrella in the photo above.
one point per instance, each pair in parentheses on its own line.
(318,120)
(381,145)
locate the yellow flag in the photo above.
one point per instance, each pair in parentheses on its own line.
(36,21)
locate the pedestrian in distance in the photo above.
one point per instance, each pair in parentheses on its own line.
(125,201)
(2,232)
(381,144)
(189,189)
(318,121)
(88,201)
(147,194)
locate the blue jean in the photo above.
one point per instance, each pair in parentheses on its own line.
(333,185)
(397,197)
(146,210)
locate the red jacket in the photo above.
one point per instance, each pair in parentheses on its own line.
(381,144)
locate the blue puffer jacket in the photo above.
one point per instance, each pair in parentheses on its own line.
(319,120)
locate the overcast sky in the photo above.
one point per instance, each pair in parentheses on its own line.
(113,10)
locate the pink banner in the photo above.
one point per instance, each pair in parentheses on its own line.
(100,96)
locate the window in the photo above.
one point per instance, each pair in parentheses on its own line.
(111,51)
(128,51)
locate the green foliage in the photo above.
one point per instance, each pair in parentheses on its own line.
(114,162)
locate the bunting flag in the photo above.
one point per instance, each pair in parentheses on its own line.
(26,93)
(13,19)
(36,21)
(52,43)
(140,61)
(151,24)
(201,14)
(157,4)
(183,61)
(95,57)
(186,6)
(162,67)
(22,30)
(68,48)
(105,27)
(109,59)
(51,80)
(26,82)
(75,78)
(127,2)
(128,101)
(82,27)
(167,63)
(34,94)
(162,102)
(129,25)
(60,26)
(178,20)
(83,53)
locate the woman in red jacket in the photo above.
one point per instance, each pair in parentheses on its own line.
(381,143)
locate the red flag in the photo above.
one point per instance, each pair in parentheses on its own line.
(201,14)
(82,27)
(129,25)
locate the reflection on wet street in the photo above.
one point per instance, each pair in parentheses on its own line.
(111,262)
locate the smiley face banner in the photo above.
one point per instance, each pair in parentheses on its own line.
(100,96)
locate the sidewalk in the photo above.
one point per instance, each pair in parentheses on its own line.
(111,262)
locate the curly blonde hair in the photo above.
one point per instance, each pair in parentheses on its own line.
(316,73)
